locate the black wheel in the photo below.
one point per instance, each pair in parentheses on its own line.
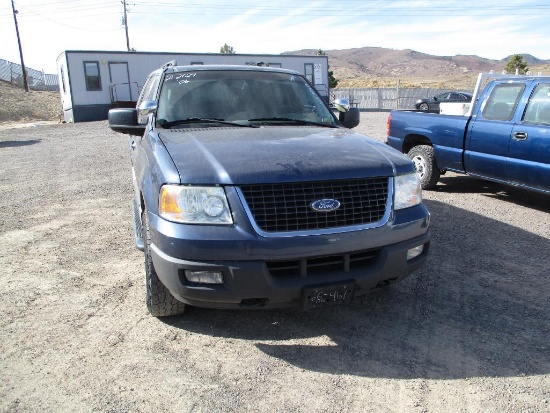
(160,302)
(423,106)
(425,164)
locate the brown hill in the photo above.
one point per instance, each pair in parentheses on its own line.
(377,66)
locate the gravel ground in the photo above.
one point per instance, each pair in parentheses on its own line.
(467,333)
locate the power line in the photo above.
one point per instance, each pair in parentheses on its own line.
(74,9)
(41,16)
(405,7)
(462,7)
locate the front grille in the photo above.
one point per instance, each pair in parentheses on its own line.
(286,207)
(322,265)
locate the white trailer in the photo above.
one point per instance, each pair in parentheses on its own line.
(92,82)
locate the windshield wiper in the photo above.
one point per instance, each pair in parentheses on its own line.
(292,120)
(171,124)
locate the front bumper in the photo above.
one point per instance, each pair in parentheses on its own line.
(247,260)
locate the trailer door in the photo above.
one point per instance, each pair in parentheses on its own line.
(120,82)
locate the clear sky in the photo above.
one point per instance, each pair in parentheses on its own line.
(492,29)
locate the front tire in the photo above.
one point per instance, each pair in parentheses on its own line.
(160,302)
(425,164)
(423,106)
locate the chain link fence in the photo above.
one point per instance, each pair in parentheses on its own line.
(37,80)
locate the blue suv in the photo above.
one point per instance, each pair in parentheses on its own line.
(250,192)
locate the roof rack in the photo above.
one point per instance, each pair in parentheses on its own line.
(170,64)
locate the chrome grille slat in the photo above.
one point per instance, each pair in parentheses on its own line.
(286,207)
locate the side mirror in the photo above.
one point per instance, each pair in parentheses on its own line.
(147,107)
(342,105)
(350,119)
(124,120)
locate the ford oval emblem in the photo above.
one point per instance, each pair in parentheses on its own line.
(325,205)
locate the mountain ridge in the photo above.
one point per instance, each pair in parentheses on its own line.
(379,67)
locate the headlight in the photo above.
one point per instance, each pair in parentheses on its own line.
(194,205)
(408,191)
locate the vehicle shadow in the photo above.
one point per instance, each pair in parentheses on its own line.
(478,308)
(16,144)
(466,184)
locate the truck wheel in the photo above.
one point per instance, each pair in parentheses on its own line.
(160,302)
(423,106)
(425,164)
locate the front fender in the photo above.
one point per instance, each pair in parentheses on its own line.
(153,167)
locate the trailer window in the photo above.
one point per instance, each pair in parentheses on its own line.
(92,76)
(308,71)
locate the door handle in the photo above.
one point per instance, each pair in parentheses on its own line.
(520,136)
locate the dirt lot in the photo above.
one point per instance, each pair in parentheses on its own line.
(468,333)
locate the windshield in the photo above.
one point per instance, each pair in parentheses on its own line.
(240,96)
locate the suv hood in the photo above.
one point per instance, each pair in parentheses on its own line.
(234,156)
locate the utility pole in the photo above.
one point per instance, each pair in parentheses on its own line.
(25,84)
(125,25)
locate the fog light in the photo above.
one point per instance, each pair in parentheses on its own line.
(415,252)
(204,277)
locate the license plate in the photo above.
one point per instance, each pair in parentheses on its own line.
(328,295)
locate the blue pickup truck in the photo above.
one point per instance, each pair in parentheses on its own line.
(250,193)
(505,137)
